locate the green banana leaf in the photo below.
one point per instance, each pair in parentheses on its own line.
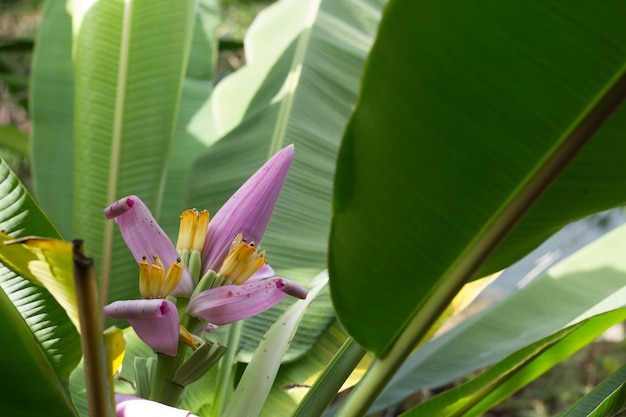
(129,62)
(591,281)
(39,342)
(466,117)
(300,85)
(517,370)
(153,85)
(608,399)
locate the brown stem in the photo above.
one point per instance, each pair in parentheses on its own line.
(99,393)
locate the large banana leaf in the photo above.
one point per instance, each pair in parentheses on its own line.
(39,342)
(155,70)
(129,61)
(466,116)
(300,86)
(592,281)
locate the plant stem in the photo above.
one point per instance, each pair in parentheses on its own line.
(163,389)
(99,393)
(329,383)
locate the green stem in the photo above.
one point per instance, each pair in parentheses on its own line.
(99,392)
(329,383)
(225,377)
(163,389)
(383,369)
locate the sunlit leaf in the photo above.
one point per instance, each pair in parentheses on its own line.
(116,348)
(47,262)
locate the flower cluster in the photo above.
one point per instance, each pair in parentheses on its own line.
(215,274)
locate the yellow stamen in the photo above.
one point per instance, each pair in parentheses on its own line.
(201,230)
(153,283)
(192,231)
(187,338)
(188,222)
(172,278)
(156,279)
(242,261)
(144,278)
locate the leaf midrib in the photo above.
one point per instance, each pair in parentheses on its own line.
(487,239)
(525,195)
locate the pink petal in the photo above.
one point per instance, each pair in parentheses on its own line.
(248,211)
(144,236)
(231,303)
(155,322)
(129,406)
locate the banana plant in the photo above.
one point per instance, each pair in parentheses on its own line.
(435,143)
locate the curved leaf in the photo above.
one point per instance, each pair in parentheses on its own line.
(592,281)
(130,61)
(517,370)
(467,114)
(305,60)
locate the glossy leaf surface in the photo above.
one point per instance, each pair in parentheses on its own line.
(466,116)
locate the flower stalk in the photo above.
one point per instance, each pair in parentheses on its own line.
(163,388)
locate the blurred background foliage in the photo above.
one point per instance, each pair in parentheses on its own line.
(19,21)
